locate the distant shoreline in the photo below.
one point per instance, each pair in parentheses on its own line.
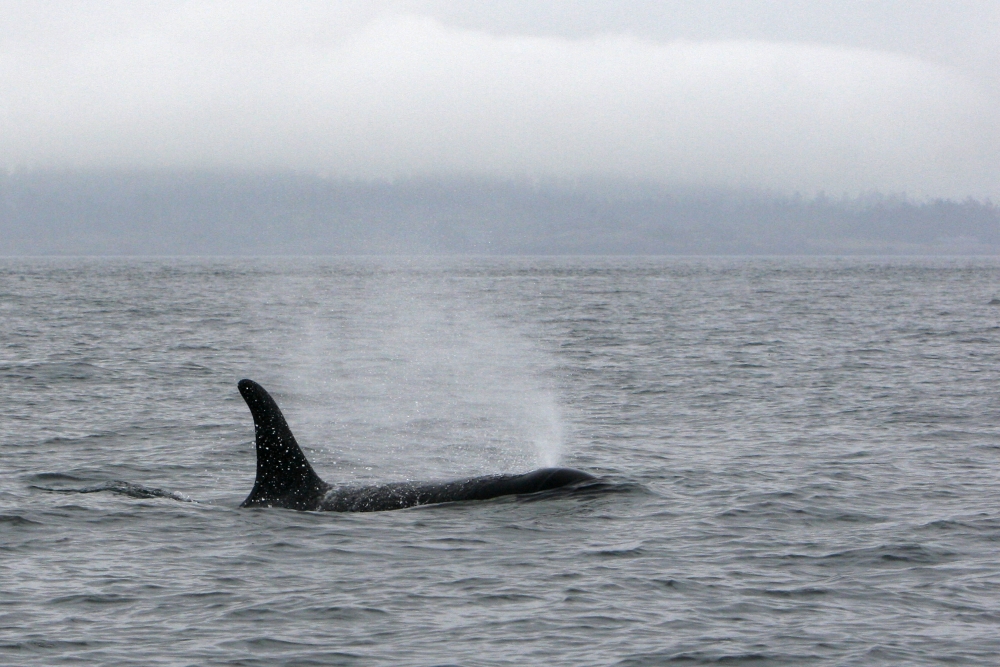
(159,214)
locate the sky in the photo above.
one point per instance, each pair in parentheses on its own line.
(785,96)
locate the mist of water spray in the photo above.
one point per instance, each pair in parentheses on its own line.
(400,374)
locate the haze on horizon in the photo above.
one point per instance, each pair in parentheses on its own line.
(776,95)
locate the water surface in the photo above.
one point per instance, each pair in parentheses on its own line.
(802,457)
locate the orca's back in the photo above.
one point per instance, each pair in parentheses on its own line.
(410,494)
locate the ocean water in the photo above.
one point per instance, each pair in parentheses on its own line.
(800,461)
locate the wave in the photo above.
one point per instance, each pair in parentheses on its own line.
(118,487)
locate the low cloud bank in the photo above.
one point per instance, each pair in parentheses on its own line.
(403,97)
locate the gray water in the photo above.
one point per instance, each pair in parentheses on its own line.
(801,461)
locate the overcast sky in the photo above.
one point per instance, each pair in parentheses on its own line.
(851,96)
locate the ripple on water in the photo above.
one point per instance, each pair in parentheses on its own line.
(797,456)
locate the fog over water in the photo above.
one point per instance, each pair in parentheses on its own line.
(781,96)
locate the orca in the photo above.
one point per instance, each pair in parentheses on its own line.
(285,478)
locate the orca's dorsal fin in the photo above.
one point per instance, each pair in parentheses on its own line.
(284,476)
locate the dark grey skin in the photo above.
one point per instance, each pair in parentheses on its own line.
(285,478)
